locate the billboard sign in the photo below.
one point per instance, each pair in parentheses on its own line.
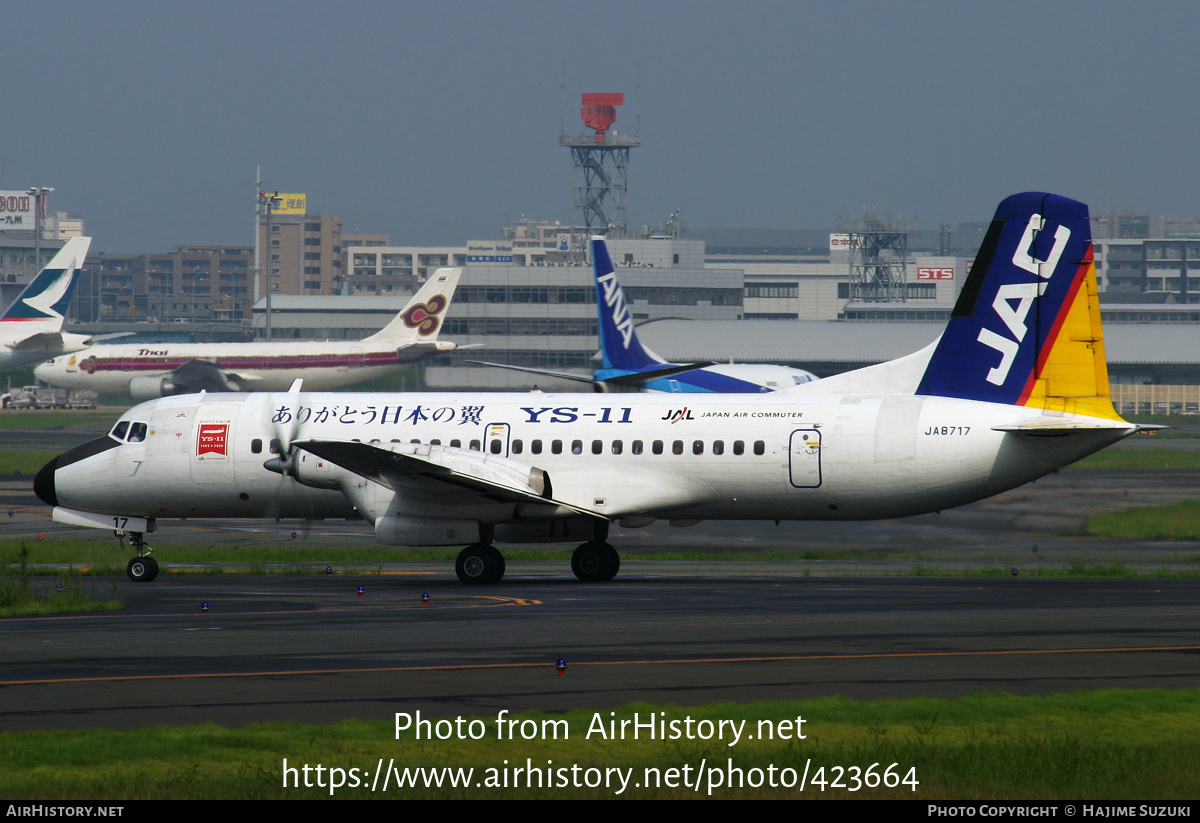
(291,204)
(17,211)
(935,273)
(489,253)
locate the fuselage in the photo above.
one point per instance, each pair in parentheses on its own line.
(258,366)
(628,458)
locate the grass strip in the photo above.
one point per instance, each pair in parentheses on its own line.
(1087,745)
(1138,459)
(1172,521)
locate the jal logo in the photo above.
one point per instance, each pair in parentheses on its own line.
(212,439)
(614,298)
(675,415)
(1014,300)
(423,316)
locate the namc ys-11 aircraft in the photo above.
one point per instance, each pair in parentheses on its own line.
(31,328)
(1015,388)
(148,370)
(628,366)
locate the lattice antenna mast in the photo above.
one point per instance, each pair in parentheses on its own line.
(600,175)
(879,259)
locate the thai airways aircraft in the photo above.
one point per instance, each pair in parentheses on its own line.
(31,328)
(629,366)
(150,370)
(1015,388)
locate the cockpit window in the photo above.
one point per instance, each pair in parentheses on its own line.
(120,429)
(137,432)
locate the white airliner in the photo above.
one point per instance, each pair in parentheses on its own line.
(628,366)
(31,328)
(1016,387)
(149,370)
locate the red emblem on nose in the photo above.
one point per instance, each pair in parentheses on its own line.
(423,316)
(89,365)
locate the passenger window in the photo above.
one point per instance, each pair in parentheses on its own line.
(456,444)
(256,446)
(435,442)
(474,446)
(556,447)
(576,447)
(677,447)
(597,446)
(658,447)
(274,446)
(739,447)
(697,447)
(760,447)
(120,429)
(617,447)
(137,432)
(495,446)
(718,447)
(517,447)
(536,447)
(636,447)
(414,440)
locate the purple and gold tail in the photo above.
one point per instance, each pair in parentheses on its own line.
(1026,329)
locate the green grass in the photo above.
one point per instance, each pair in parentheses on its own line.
(1173,521)
(26,461)
(11,420)
(22,593)
(1139,459)
(1088,745)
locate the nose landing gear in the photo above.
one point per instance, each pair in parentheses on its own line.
(143,568)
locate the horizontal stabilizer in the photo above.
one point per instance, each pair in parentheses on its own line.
(640,378)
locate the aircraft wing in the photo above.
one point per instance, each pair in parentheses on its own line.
(444,474)
(44,341)
(640,378)
(562,375)
(204,375)
(630,379)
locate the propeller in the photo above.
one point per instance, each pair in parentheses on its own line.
(284,462)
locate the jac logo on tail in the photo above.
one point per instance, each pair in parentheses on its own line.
(614,298)
(1014,300)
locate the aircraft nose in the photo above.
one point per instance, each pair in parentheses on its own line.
(43,483)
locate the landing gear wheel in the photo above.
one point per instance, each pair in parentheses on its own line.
(141,569)
(479,564)
(595,562)
(499,559)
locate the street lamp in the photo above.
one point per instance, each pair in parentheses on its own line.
(39,200)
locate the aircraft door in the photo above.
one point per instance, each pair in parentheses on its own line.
(804,460)
(212,443)
(497,435)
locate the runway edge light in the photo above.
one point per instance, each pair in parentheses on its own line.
(204,607)
(561,665)
(361,592)
(424,598)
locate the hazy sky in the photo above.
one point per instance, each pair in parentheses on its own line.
(438,122)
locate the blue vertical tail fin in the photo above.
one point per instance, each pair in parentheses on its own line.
(619,345)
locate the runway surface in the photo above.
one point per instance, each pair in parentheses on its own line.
(309,649)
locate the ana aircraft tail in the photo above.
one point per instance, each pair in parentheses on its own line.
(619,344)
(421,319)
(43,303)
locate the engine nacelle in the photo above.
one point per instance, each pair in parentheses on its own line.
(425,531)
(150,388)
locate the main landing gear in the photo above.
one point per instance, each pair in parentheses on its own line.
(596,561)
(479,563)
(143,568)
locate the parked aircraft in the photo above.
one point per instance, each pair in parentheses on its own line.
(148,370)
(31,328)
(1015,388)
(630,366)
